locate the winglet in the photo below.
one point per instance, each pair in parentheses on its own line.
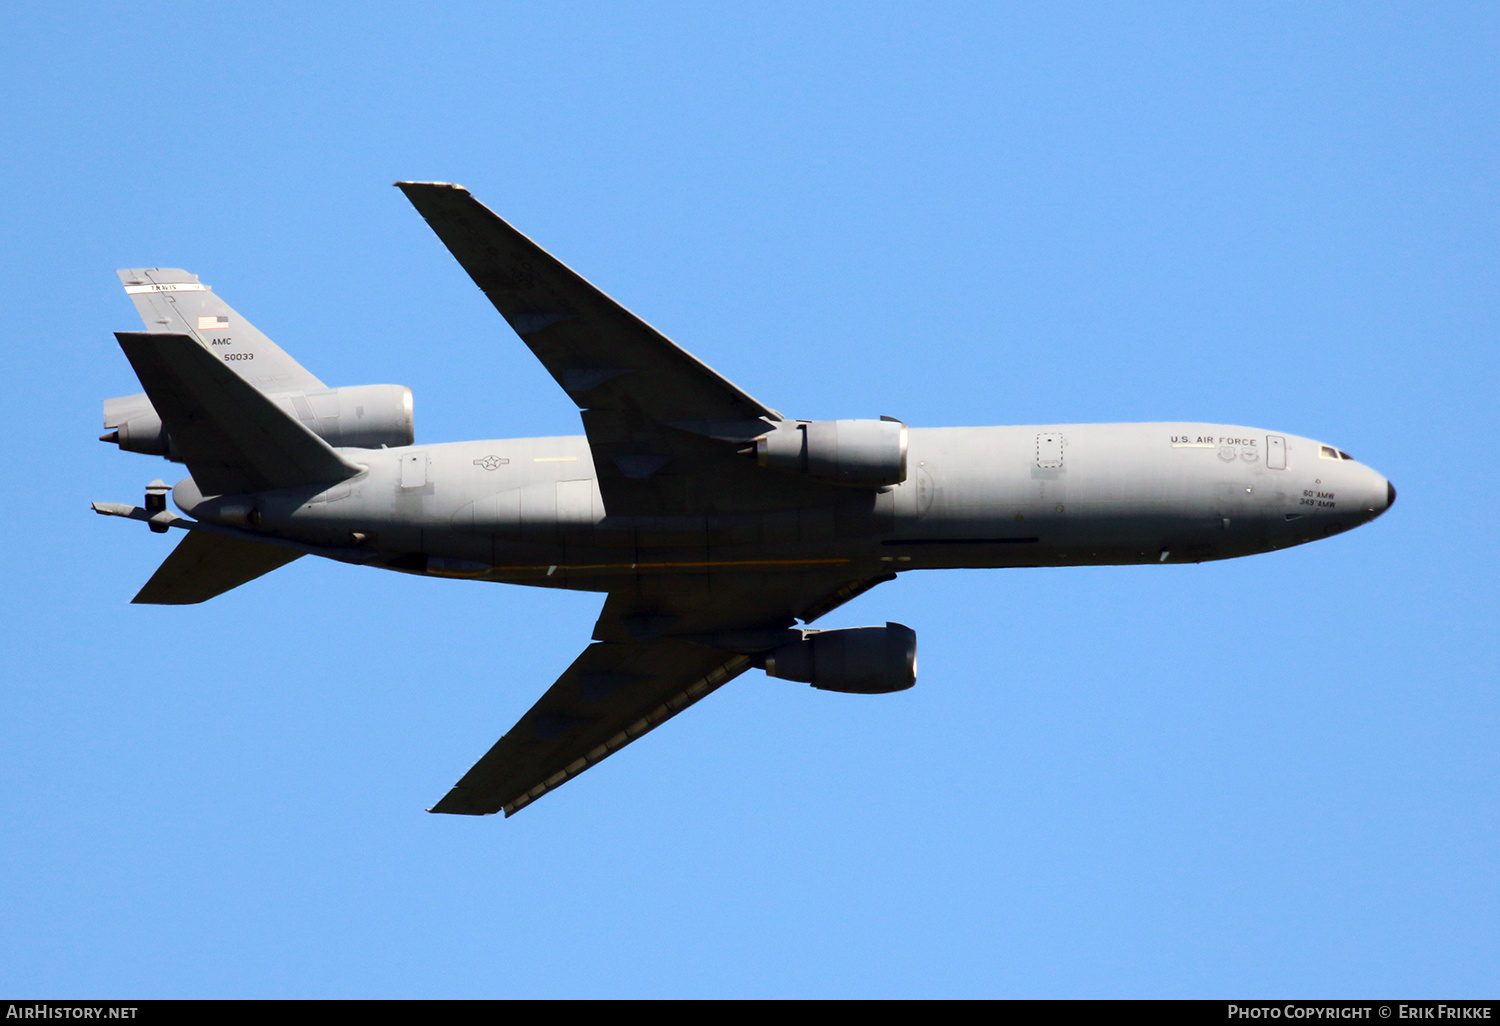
(433,185)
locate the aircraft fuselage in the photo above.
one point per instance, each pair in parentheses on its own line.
(529,510)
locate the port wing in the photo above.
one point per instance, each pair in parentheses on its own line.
(611,695)
(667,433)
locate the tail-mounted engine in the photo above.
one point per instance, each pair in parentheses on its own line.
(358,417)
(859,661)
(857,453)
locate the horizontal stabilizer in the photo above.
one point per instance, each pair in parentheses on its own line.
(204,565)
(229,434)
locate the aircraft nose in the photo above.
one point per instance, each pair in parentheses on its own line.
(1376,493)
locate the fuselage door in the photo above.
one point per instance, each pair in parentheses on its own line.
(1275,452)
(414,470)
(1049,450)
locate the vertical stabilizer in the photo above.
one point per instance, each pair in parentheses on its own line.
(171,300)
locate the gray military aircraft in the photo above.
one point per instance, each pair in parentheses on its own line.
(712,523)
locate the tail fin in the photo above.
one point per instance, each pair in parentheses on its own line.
(204,565)
(229,434)
(171,300)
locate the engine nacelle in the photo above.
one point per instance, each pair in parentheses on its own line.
(858,453)
(858,661)
(358,417)
(131,423)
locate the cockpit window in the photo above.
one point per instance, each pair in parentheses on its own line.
(1329,453)
(1345,455)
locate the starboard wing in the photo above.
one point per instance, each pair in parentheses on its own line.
(611,695)
(657,655)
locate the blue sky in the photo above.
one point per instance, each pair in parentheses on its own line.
(1270,776)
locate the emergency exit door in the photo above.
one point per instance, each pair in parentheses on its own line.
(1049,450)
(1275,452)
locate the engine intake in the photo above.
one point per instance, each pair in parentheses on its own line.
(857,661)
(355,417)
(858,453)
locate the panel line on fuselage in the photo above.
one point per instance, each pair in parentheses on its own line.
(695,565)
(960,541)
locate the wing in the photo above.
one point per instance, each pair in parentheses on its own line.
(602,355)
(656,655)
(611,695)
(664,428)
